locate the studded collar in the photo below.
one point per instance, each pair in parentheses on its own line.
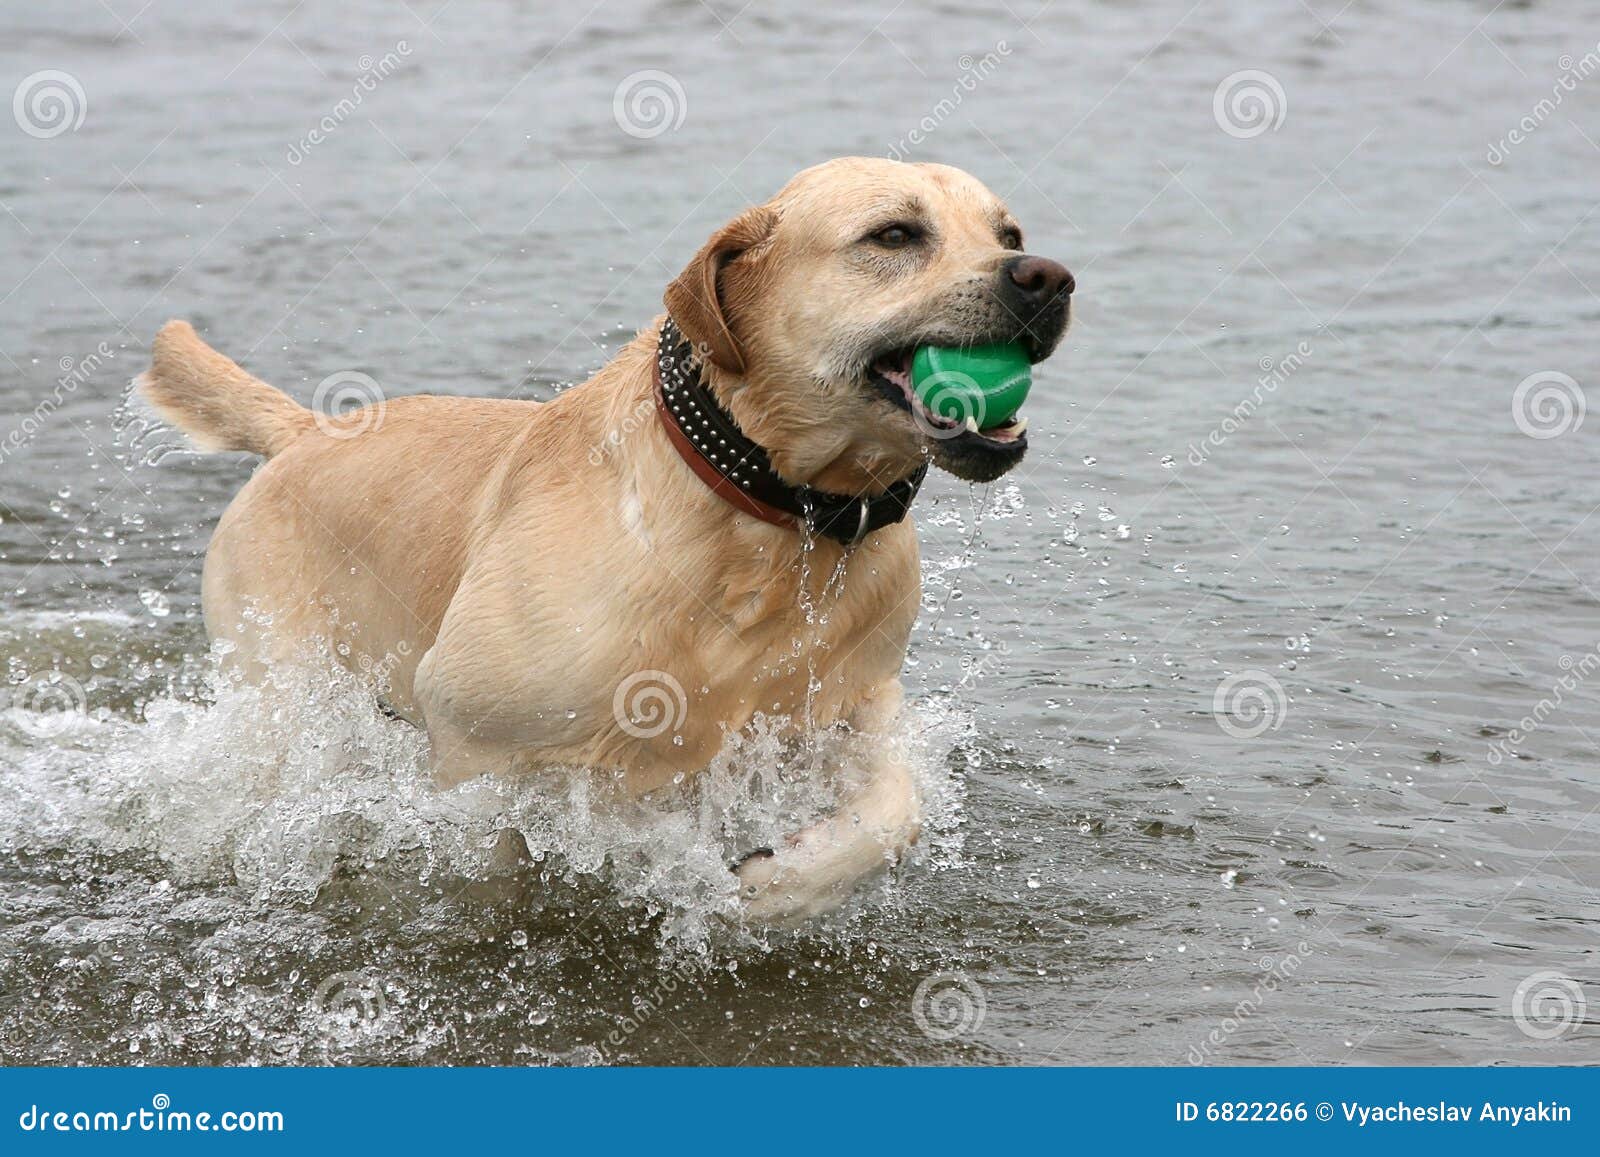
(740,472)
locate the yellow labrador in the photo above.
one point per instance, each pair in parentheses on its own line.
(617,579)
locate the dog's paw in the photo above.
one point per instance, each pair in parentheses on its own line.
(776,891)
(755,870)
(752,854)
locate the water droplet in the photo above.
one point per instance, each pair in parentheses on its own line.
(156,603)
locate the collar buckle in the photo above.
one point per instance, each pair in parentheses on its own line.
(861,526)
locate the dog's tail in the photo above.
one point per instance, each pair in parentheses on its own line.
(211,399)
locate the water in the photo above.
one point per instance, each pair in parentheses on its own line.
(1214,708)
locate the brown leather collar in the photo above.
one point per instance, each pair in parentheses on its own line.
(740,472)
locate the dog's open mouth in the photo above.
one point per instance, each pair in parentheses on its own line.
(978,454)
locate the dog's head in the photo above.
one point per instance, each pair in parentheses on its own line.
(808,310)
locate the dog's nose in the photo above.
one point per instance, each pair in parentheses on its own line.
(1039,278)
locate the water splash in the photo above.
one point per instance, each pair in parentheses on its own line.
(292,788)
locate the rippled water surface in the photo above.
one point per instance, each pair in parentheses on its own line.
(1255,709)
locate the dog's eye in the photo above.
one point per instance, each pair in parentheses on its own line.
(1011,239)
(895,236)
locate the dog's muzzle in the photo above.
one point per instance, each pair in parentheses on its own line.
(1037,292)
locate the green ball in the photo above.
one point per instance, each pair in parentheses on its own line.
(987,383)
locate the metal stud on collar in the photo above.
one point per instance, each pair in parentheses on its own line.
(707,432)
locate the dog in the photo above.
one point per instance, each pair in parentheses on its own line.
(622,577)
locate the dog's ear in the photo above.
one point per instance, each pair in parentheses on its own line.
(701,302)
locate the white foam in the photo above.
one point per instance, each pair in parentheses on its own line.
(24,623)
(282,787)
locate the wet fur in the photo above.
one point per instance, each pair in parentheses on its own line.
(509,564)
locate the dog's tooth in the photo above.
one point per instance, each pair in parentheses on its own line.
(972,423)
(1018,427)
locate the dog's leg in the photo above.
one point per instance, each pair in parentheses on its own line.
(815,870)
(459,753)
